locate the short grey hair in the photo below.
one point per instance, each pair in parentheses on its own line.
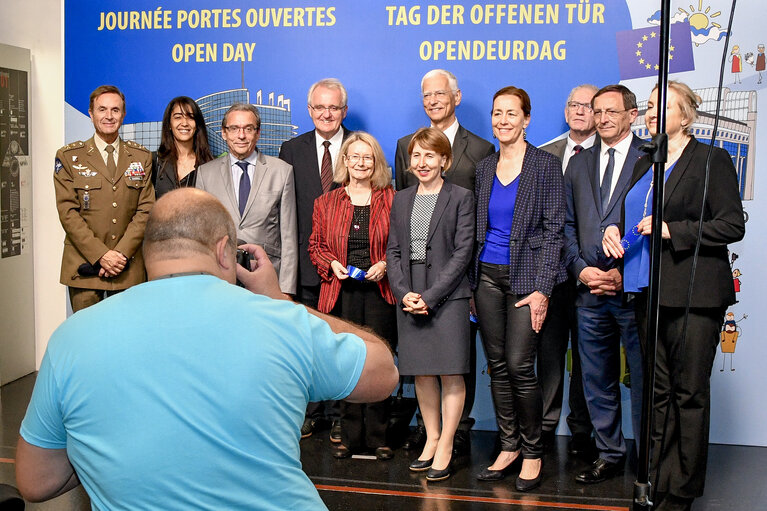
(590,87)
(328,83)
(242,107)
(451,79)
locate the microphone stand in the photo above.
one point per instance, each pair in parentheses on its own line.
(658,150)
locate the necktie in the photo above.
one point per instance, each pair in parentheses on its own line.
(244,190)
(607,180)
(111,165)
(577,149)
(326,172)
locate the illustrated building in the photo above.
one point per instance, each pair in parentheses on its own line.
(735,133)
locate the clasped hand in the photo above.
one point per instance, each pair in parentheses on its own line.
(112,264)
(414,304)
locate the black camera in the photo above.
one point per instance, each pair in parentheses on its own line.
(244,258)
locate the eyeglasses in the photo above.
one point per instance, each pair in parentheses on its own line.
(611,114)
(234,130)
(439,94)
(355,158)
(574,105)
(322,108)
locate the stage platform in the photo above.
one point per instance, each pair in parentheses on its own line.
(736,479)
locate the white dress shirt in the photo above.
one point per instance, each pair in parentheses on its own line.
(570,149)
(334,148)
(237,171)
(621,151)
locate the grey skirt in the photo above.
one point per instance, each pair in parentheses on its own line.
(436,343)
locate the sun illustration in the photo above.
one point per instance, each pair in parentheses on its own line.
(701,19)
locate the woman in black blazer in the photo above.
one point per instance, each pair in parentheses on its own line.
(684,359)
(517,263)
(430,243)
(183,146)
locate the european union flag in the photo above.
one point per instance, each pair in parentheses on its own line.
(638,51)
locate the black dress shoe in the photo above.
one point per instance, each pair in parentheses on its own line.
(384,453)
(497,475)
(335,431)
(439,475)
(600,470)
(416,440)
(342,452)
(462,443)
(529,484)
(308,427)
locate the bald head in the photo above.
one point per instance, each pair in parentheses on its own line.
(186,223)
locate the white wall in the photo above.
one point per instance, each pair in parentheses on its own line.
(38,25)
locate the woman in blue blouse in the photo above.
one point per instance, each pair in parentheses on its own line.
(520,221)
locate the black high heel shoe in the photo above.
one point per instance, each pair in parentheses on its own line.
(497,475)
(439,475)
(421,465)
(529,484)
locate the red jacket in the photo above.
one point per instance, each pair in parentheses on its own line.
(331,220)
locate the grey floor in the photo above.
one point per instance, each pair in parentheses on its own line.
(736,479)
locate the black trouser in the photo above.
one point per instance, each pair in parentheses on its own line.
(361,303)
(560,327)
(510,347)
(683,390)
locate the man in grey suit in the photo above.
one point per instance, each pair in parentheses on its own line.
(561,322)
(596,182)
(257,190)
(440,92)
(313,156)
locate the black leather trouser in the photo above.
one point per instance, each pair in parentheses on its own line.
(510,347)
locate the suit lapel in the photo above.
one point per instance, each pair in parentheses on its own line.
(679,169)
(595,155)
(483,197)
(442,200)
(225,170)
(624,178)
(94,161)
(259,172)
(124,157)
(459,146)
(525,191)
(310,155)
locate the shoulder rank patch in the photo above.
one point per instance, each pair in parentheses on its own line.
(57,166)
(136,145)
(73,145)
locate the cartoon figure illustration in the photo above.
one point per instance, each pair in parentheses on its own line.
(735,280)
(760,62)
(729,337)
(737,63)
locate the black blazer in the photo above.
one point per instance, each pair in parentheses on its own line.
(723,223)
(164,176)
(468,149)
(537,229)
(301,152)
(448,249)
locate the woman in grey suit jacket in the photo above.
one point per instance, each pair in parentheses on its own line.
(520,223)
(684,358)
(430,243)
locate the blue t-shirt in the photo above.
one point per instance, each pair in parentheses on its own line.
(500,216)
(189,393)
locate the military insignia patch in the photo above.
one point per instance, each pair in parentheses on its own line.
(135,171)
(57,166)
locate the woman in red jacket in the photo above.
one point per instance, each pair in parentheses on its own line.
(350,230)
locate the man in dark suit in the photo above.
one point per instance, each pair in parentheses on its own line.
(562,325)
(313,156)
(440,92)
(596,182)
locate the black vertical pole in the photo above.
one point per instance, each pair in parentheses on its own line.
(659,157)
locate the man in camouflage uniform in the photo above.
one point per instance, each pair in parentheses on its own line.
(103,196)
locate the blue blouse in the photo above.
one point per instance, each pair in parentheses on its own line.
(636,259)
(500,215)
